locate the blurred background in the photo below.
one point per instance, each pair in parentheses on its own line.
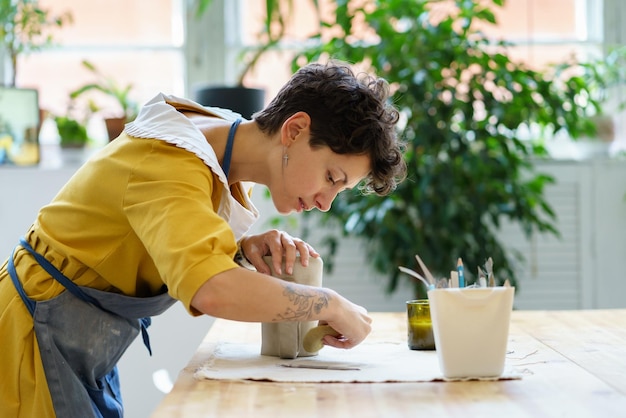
(133,49)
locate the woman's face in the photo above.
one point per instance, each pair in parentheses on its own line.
(312,178)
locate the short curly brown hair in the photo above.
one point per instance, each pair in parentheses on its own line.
(349,114)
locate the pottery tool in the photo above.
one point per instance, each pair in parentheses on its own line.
(454,279)
(312,341)
(429,276)
(489,268)
(482,278)
(410,272)
(320,365)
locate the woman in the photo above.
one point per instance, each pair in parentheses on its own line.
(160,214)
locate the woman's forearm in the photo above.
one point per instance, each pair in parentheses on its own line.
(262,298)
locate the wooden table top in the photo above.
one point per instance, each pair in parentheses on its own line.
(577,369)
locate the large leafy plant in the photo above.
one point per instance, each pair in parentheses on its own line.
(26,27)
(464,103)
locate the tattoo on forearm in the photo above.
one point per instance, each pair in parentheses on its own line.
(306,302)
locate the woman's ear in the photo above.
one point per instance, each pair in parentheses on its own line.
(297,124)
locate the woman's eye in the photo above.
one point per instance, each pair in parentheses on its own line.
(330,179)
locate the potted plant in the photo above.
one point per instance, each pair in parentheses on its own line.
(463,101)
(127,108)
(72,127)
(603,78)
(242,99)
(26,27)
(72,132)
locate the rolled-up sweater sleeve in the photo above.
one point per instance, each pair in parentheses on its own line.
(173,212)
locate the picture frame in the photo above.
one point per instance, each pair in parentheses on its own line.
(20,121)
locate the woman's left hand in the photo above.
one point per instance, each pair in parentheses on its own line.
(280,245)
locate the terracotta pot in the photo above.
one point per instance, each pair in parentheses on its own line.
(115,126)
(605,127)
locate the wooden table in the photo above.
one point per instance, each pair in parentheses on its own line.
(577,369)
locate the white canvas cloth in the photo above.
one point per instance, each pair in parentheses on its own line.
(373,362)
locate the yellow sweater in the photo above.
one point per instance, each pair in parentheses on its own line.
(142,214)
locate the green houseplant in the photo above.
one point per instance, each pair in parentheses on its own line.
(72,126)
(107,85)
(463,101)
(604,79)
(26,27)
(72,132)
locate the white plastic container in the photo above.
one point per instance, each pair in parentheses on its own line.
(471,328)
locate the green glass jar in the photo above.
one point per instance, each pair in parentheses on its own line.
(419,324)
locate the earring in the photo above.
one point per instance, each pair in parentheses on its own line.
(285,159)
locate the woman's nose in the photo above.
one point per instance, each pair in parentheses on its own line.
(325,199)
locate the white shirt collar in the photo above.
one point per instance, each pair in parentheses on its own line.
(160,119)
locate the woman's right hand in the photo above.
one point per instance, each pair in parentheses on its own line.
(244,295)
(351,321)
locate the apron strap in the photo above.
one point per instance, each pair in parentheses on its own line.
(144,323)
(58,276)
(229,147)
(30,304)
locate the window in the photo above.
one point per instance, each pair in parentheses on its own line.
(138,42)
(540,38)
(154,46)
(543,32)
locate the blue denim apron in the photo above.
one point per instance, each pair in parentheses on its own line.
(82,333)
